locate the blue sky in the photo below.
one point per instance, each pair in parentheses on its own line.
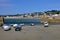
(27,6)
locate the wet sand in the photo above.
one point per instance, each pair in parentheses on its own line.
(32,33)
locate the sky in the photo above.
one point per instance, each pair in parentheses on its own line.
(8,7)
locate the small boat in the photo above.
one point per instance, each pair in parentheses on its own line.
(22,24)
(46,24)
(32,24)
(18,28)
(14,25)
(6,27)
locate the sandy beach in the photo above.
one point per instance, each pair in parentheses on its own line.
(32,33)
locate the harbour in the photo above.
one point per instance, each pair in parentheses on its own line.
(32,33)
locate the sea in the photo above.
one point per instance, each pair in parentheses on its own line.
(20,21)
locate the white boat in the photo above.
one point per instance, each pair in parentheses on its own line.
(22,24)
(14,25)
(46,24)
(6,27)
(32,24)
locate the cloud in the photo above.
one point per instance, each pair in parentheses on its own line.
(5,0)
(6,5)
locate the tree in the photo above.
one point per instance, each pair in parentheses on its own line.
(32,15)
